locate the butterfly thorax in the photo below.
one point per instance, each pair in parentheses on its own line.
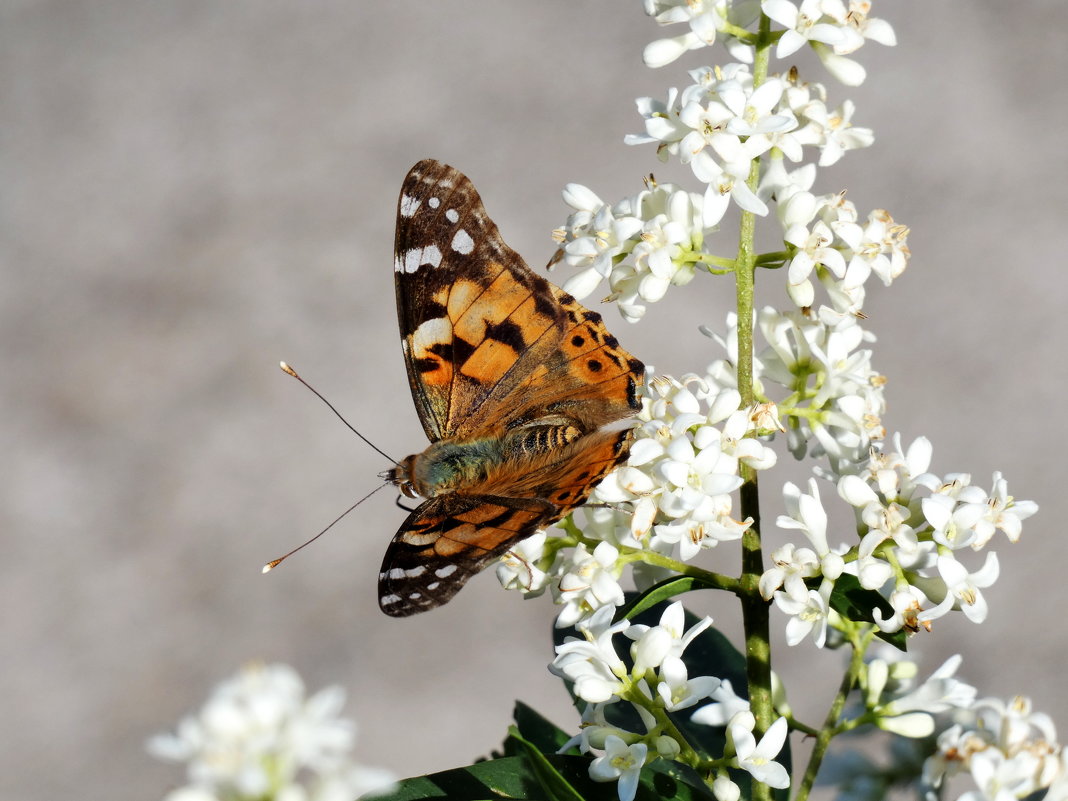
(447,466)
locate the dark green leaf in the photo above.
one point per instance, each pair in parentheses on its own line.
(853,602)
(556,787)
(515,778)
(537,730)
(665,590)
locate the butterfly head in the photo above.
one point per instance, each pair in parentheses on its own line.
(401,477)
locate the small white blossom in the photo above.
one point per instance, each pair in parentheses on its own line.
(518,568)
(677,689)
(802,25)
(965,587)
(589,582)
(758,758)
(808,615)
(622,763)
(592,663)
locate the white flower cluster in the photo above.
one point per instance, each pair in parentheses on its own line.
(642,245)
(719,126)
(825,237)
(259,737)
(671,498)
(656,682)
(1009,750)
(831,27)
(914,529)
(831,396)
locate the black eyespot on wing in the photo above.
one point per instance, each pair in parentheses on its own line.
(594,366)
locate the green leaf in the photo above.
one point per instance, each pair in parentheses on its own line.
(853,602)
(540,732)
(509,777)
(556,787)
(516,778)
(658,593)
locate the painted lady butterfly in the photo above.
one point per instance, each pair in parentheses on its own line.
(513,381)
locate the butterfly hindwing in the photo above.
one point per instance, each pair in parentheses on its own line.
(446,541)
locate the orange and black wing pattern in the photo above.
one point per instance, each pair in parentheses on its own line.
(500,357)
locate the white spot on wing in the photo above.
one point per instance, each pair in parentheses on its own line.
(433,585)
(386,600)
(430,333)
(463,243)
(398,573)
(418,257)
(408,206)
(445,572)
(452,215)
(433,202)
(415,596)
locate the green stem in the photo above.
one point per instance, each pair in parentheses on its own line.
(754,608)
(717,580)
(830,725)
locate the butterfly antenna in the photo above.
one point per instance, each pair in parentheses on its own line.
(267,568)
(287,369)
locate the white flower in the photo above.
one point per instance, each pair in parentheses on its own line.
(803,25)
(1003,512)
(837,132)
(965,586)
(814,247)
(592,663)
(805,513)
(259,736)
(998,778)
(588,584)
(685,465)
(790,567)
(909,610)
(677,690)
(877,30)
(758,758)
(518,568)
(878,247)
(808,616)
(668,638)
(620,762)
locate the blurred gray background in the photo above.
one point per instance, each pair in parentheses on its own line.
(194,190)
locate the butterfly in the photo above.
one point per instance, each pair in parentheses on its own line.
(514,382)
